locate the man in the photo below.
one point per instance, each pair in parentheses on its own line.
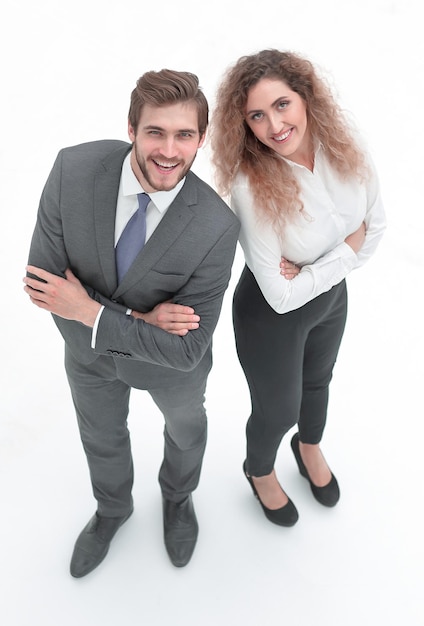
(144,321)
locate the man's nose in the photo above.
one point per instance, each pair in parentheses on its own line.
(168,147)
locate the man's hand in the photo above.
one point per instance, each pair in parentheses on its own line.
(174,318)
(66,298)
(288,269)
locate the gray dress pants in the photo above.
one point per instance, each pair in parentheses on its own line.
(288,362)
(101,402)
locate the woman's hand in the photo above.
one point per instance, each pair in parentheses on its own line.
(288,269)
(356,240)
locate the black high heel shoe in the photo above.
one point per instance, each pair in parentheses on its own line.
(329,494)
(287,515)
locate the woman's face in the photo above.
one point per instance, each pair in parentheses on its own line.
(277,117)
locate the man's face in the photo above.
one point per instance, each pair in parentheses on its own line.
(165,145)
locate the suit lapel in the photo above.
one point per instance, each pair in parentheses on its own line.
(106,187)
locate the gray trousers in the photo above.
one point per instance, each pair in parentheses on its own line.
(288,361)
(101,402)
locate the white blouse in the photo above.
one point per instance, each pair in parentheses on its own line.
(333,209)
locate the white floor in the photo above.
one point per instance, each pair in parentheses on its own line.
(360,563)
(70,69)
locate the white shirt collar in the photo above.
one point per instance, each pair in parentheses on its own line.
(318,153)
(131,186)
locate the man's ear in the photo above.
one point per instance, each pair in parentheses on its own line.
(202,140)
(131,132)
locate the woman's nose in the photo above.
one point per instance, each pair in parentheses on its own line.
(276,122)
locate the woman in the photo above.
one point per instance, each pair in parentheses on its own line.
(308,199)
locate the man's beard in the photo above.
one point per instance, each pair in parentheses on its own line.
(143,168)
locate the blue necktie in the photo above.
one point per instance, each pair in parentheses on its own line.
(133,237)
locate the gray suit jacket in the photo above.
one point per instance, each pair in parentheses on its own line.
(187,260)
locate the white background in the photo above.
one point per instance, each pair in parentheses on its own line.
(67,72)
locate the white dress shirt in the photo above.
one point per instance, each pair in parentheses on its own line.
(127,205)
(333,209)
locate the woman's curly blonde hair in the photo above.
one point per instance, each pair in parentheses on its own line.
(235,147)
